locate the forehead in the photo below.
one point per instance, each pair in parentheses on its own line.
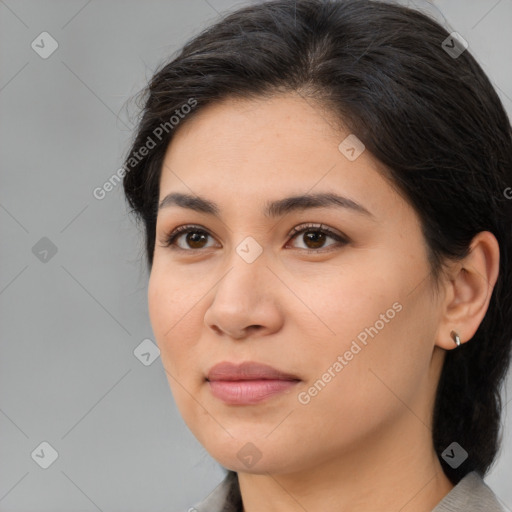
(243,151)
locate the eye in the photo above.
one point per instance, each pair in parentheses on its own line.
(314,236)
(196,237)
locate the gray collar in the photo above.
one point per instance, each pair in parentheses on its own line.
(471,494)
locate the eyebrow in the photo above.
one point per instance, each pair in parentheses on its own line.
(275,208)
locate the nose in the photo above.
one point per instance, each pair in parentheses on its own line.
(246,301)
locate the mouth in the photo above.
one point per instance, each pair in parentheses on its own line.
(248,383)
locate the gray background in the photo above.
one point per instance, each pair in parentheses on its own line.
(70,321)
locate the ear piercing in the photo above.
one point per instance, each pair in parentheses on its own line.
(456,338)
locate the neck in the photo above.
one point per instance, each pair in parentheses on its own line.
(388,472)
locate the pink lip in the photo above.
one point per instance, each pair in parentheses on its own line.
(247,383)
(248,370)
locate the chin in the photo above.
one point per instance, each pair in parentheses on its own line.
(258,457)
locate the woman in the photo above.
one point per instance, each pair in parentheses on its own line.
(322,187)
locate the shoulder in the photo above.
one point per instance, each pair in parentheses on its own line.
(471,494)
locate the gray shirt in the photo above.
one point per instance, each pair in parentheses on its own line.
(471,494)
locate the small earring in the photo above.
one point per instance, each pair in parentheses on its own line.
(456,338)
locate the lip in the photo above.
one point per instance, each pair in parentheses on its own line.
(248,370)
(248,383)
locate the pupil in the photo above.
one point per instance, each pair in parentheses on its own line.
(192,235)
(315,235)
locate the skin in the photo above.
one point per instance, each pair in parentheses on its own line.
(364,442)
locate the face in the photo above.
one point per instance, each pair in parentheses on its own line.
(335,297)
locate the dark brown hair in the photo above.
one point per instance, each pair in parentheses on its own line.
(433,119)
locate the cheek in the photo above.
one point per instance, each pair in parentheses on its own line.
(168,306)
(161,305)
(341,303)
(373,344)
(350,398)
(171,320)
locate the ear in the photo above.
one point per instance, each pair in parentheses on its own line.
(468,289)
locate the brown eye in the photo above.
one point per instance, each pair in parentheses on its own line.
(193,238)
(314,237)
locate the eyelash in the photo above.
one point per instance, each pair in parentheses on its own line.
(303,228)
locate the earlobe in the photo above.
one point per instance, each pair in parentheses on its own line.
(468,292)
